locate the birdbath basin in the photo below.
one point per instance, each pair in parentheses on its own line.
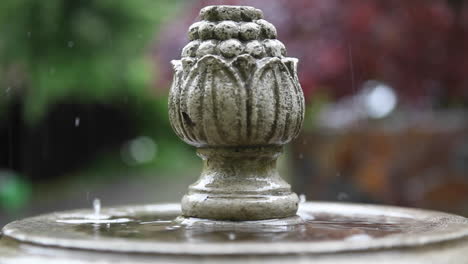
(237,99)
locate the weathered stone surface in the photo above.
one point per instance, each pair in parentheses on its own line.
(234,91)
(425,237)
(240,184)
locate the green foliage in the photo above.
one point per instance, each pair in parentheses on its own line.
(14,191)
(88,50)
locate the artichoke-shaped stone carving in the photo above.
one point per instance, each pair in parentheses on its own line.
(237,98)
(234,85)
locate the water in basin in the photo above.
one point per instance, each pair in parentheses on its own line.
(317,227)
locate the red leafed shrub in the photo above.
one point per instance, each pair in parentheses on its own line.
(418,47)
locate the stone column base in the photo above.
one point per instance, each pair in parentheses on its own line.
(240,183)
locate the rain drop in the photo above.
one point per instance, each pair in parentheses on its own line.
(95,218)
(302,198)
(97,208)
(342,196)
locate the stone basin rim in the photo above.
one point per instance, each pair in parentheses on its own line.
(447,228)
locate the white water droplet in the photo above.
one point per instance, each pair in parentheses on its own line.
(342,196)
(97,208)
(231,236)
(77,121)
(302,198)
(358,237)
(70,44)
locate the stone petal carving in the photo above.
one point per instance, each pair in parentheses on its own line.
(244,64)
(237,102)
(209,104)
(276,112)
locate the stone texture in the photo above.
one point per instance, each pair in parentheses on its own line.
(235,95)
(239,184)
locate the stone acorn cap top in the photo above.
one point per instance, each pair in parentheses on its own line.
(231,31)
(228,12)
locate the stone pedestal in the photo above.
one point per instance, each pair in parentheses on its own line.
(239,184)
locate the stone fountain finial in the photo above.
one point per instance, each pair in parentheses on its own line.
(237,98)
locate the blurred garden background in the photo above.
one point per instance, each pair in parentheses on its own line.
(84,85)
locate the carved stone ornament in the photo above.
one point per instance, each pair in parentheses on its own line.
(237,98)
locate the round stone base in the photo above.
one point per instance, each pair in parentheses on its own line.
(321,233)
(241,207)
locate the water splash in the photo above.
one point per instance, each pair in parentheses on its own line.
(302,198)
(97,208)
(95,218)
